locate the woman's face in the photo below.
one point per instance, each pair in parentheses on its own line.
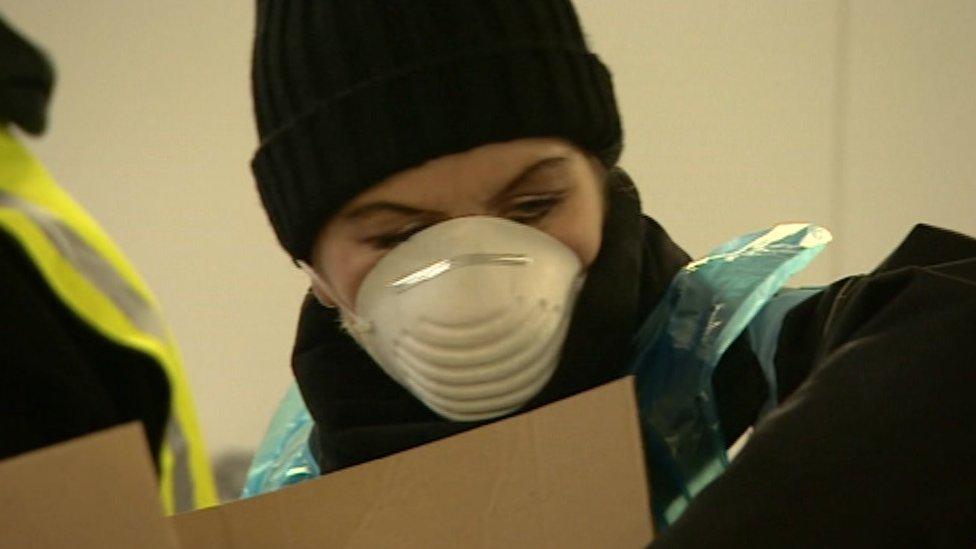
(548,184)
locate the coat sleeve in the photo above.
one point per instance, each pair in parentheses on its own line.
(874,444)
(59,379)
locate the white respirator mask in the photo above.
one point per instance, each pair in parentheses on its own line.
(469,315)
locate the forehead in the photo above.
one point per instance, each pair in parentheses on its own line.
(477,174)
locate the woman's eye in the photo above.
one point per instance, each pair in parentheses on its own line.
(533,209)
(392,240)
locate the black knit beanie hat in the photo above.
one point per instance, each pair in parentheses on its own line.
(349,92)
(26,81)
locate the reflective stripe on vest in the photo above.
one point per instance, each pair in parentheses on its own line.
(93,266)
(91,277)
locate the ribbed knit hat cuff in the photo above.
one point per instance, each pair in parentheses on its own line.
(312,166)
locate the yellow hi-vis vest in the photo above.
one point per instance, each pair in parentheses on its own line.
(91,277)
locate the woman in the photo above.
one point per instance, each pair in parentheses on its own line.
(445,172)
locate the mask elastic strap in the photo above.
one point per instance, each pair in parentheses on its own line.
(320,281)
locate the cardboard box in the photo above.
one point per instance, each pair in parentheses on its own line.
(95,491)
(570,474)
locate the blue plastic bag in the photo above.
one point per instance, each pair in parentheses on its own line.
(284,457)
(709,303)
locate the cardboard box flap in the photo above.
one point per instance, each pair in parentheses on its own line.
(570,474)
(94,492)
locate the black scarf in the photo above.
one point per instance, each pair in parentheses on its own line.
(362,414)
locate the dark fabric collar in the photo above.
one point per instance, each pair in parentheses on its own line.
(362,414)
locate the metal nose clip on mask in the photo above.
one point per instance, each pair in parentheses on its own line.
(469,315)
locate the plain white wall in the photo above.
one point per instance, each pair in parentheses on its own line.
(908,124)
(855,115)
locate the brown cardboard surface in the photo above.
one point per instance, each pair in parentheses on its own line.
(570,474)
(94,492)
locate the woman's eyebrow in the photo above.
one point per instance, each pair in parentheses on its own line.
(383,206)
(531,170)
